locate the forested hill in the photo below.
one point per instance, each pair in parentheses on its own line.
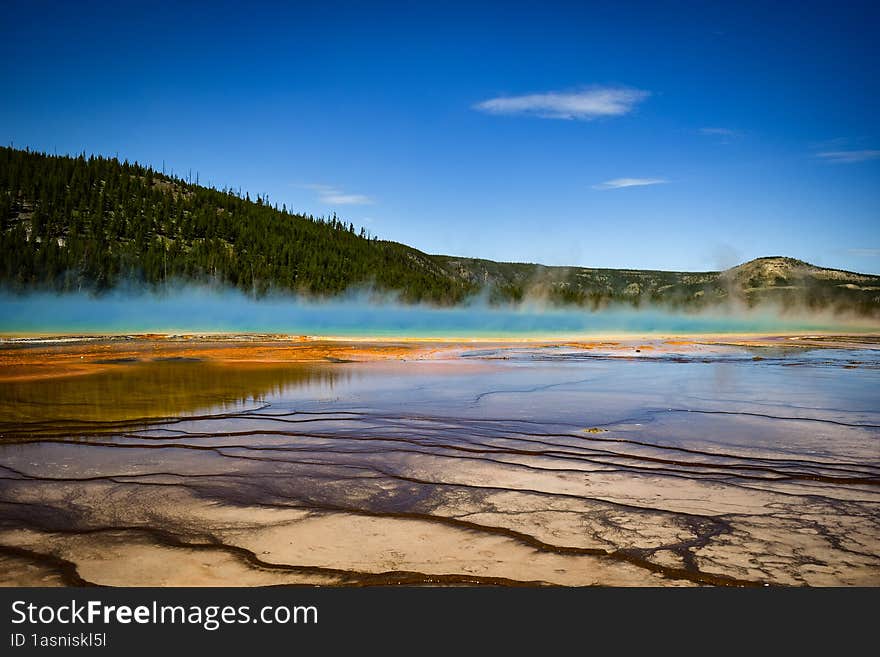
(76,223)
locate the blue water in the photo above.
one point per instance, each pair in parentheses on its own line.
(207,310)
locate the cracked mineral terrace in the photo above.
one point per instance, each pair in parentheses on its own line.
(271,460)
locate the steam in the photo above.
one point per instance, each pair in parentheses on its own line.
(196,309)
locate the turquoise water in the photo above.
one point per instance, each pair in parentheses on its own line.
(212,311)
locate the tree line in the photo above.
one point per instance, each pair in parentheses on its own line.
(92,223)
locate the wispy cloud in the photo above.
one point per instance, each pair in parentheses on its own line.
(867,253)
(849,157)
(720,132)
(584,104)
(335,196)
(619,183)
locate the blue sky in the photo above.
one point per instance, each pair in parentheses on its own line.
(683,136)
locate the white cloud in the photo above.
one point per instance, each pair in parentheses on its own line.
(619,183)
(334,196)
(849,157)
(719,132)
(868,253)
(842,143)
(346,199)
(586,104)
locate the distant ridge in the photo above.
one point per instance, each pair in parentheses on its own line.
(77,223)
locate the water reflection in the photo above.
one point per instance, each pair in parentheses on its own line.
(157,389)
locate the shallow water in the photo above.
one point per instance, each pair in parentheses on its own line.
(529,465)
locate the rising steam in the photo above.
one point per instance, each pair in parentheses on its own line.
(195,309)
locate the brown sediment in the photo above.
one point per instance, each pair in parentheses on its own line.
(65,570)
(29,362)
